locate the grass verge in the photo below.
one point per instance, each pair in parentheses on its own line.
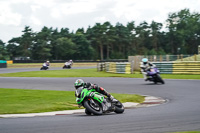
(90,73)
(17,101)
(38,65)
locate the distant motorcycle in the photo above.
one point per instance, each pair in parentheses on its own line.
(44,68)
(96,103)
(67,65)
(153,74)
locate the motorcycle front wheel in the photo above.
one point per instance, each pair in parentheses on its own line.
(119,108)
(160,79)
(87,112)
(93,107)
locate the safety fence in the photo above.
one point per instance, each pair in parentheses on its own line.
(115,67)
(176,67)
(9,61)
(3,64)
(189,67)
(161,58)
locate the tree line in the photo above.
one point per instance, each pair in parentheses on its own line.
(181,35)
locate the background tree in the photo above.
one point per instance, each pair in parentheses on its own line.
(181,35)
(13,48)
(84,50)
(183,32)
(42,45)
(3,51)
(122,41)
(155,36)
(65,49)
(25,42)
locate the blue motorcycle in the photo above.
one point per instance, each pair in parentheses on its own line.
(153,74)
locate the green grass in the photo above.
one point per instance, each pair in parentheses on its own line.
(65,73)
(90,73)
(16,101)
(38,65)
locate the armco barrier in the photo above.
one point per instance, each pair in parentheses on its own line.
(189,67)
(164,67)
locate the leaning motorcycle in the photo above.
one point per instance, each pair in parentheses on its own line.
(67,65)
(153,74)
(96,103)
(44,68)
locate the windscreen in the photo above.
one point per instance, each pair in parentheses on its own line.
(78,92)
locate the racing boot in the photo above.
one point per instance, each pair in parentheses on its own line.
(103,91)
(110,97)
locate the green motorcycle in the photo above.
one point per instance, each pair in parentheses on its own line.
(96,103)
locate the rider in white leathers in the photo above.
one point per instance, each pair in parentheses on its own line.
(145,66)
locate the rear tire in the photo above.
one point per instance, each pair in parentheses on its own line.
(95,109)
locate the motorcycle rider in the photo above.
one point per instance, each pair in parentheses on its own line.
(71,62)
(80,83)
(145,67)
(46,64)
(68,64)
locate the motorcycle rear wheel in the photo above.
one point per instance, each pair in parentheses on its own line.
(95,109)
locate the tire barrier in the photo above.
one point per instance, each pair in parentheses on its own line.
(164,67)
(3,64)
(115,67)
(101,67)
(186,67)
(179,67)
(161,58)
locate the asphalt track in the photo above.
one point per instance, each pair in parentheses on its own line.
(180,113)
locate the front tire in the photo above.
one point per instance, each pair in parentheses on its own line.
(119,108)
(94,108)
(160,79)
(87,112)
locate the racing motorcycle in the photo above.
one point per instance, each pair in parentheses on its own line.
(44,68)
(96,103)
(67,65)
(153,74)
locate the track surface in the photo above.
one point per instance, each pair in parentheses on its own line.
(180,113)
